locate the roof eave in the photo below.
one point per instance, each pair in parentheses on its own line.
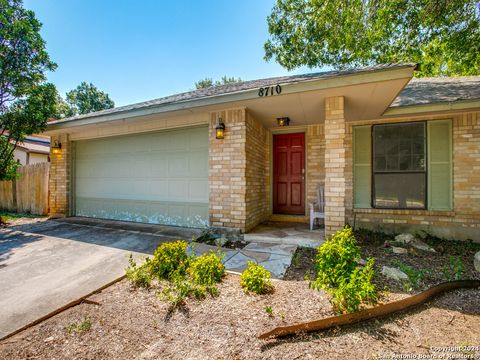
(404,71)
(460,105)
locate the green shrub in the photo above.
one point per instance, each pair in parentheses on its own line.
(336,259)
(206,237)
(256,279)
(454,269)
(415,277)
(207,269)
(139,276)
(339,274)
(170,260)
(352,292)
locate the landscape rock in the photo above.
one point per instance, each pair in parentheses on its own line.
(221,241)
(361,262)
(399,250)
(404,238)
(49,339)
(420,245)
(394,274)
(476,261)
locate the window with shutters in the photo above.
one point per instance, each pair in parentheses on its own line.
(403,165)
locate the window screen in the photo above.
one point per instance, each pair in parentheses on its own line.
(399,166)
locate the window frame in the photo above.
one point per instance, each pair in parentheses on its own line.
(373,172)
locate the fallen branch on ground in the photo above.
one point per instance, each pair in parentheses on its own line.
(367,314)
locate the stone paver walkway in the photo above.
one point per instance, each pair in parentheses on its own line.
(276,258)
(286,233)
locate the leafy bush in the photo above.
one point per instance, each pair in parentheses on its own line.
(454,269)
(170,260)
(139,276)
(206,237)
(207,269)
(336,259)
(352,292)
(256,279)
(415,277)
(339,274)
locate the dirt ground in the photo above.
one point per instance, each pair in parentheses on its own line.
(133,324)
(127,323)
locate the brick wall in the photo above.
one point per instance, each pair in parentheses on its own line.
(335,164)
(315,147)
(256,195)
(59,182)
(227,170)
(461,223)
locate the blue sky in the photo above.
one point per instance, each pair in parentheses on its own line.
(141,50)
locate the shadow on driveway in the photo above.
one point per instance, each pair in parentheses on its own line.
(47,264)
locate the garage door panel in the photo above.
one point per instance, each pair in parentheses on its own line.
(198,190)
(154,178)
(197,166)
(178,165)
(178,140)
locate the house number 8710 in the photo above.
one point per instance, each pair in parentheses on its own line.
(270,90)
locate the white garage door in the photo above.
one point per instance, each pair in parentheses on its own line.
(159,178)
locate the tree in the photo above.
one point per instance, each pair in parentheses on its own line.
(87,98)
(26,101)
(208,82)
(442,36)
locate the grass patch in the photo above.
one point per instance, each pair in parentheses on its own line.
(7,216)
(82,327)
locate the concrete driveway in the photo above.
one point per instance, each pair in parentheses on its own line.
(45,265)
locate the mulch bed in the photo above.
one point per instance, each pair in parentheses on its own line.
(134,323)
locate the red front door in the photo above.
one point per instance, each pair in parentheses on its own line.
(289,174)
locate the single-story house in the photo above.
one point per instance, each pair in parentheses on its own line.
(390,151)
(33,150)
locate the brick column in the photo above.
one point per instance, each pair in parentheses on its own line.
(335,164)
(227,162)
(59,178)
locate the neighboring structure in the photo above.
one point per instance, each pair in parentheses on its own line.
(35,149)
(391,152)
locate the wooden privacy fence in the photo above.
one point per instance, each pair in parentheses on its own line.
(29,192)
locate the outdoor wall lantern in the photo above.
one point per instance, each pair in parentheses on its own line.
(283,121)
(220,129)
(56,147)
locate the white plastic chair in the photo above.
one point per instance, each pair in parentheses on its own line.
(317,209)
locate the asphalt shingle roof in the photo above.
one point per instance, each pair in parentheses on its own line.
(425,91)
(237,87)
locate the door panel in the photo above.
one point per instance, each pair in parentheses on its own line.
(288,174)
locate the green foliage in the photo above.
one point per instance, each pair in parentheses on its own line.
(26,102)
(206,236)
(415,277)
(139,276)
(22,117)
(443,36)
(454,269)
(170,260)
(269,311)
(208,82)
(87,98)
(207,269)
(339,274)
(336,259)
(84,326)
(256,279)
(352,292)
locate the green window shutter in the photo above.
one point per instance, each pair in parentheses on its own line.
(439,165)
(362,171)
